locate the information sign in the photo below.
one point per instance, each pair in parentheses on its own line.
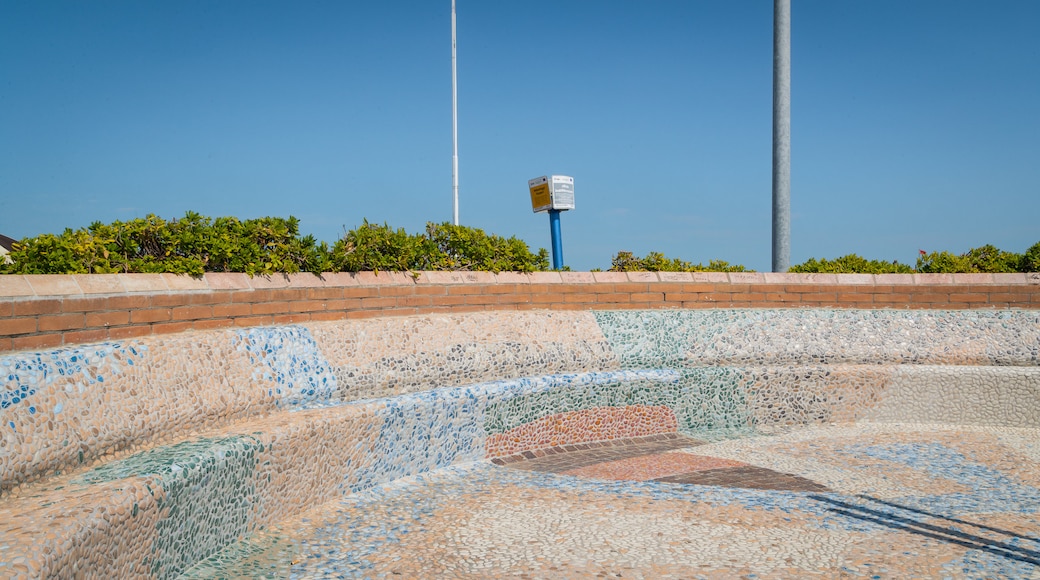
(562,192)
(541,198)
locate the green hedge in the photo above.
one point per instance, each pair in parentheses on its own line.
(195,244)
(985,259)
(191,245)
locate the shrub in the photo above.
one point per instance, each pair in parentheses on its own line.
(465,248)
(443,247)
(372,247)
(72,252)
(940,263)
(850,264)
(191,245)
(658,262)
(262,246)
(989,258)
(986,259)
(195,244)
(1031,259)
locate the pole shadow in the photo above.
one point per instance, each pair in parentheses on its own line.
(949,534)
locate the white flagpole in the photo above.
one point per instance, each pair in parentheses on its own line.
(454,127)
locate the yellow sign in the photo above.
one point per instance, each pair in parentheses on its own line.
(540,196)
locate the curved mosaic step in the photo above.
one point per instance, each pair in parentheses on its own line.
(157,511)
(746,337)
(64,409)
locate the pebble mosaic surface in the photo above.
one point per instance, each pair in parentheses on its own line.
(395,356)
(668,338)
(818,442)
(480,520)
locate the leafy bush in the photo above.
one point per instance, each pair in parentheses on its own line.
(372,247)
(195,244)
(443,247)
(263,246)
(940,263)
(986,259)
(1031,259)
(465,248)
(658,262)
(72,252)
(850,264)
(191,245)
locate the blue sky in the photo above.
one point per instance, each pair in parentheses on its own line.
(915,124)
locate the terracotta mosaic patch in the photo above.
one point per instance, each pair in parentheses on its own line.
(596,424)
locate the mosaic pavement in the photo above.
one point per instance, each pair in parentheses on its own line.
(869,501)
(648,444)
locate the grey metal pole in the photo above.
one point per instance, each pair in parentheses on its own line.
(454,128)
(781,135)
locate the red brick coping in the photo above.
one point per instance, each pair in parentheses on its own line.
(42,311)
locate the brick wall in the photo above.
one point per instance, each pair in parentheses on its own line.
(48,311)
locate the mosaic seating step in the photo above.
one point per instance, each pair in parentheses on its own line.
(66,408)
(158,511)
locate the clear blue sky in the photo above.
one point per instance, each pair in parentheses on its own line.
(915,124)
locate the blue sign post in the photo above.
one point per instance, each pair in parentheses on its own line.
(557,239)
(555,194)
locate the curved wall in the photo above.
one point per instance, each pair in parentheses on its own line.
(145,455)
(46,311)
